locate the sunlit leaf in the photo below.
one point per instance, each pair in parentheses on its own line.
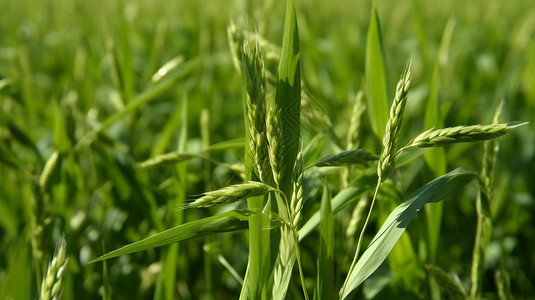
(397,222)
(225,222)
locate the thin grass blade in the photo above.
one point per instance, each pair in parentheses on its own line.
(106,287)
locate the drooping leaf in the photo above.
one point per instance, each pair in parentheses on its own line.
(397,222)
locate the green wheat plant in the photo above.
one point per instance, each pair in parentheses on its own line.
(274,168)
(367,155)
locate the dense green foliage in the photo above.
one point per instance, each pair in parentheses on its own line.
(80,109)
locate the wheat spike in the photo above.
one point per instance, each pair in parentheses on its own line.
(296,202)
(253,72)
(353,133)
(235,38)
(460,134)
(52,283)
(386,160)
(231,194)
(274,138)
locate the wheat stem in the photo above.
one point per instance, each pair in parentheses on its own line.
(361,236)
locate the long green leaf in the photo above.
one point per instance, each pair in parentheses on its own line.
(376,78)
(397,222)
(288,95)
(436,158)
(225,222)
(325,277)
(403,260)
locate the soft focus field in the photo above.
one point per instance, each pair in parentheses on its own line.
(76,84)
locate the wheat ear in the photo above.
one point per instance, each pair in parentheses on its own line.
(390,139)
(460,134)
(231,194)
(353,133)
(52,283)
(274,138)
(254,74)
(296,203)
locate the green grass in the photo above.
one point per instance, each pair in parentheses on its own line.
(115,116)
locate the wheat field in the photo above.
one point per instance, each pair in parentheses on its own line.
(246,149)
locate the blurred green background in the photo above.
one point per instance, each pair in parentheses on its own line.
(67,66)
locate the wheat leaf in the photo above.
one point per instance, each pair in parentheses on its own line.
(397,222)
(376,78)
(325,277)
(225,222)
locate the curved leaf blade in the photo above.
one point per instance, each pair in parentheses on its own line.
(225,222)
(397,222)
